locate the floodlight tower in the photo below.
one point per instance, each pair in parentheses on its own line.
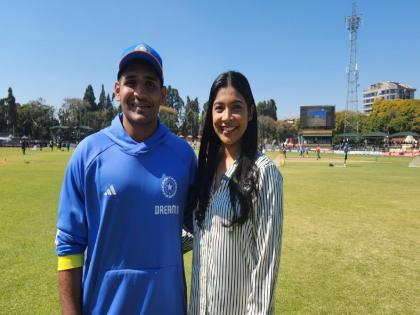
(351,123)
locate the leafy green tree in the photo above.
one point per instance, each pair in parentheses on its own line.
(267,108)
(3,126)
(11,111)
(297,123)
(35,119)
(108,103)
(168,117)
(190,125)
(202,118)
(95,120)
(89,99)
(261,108)
(339,122)
(72,113)
(108,113)
(270,129)
(340,117)
(267,130)
(174,100)
(395,116)
(285,130)
(102,99)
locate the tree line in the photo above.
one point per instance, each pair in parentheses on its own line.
(36,119)
(388,116)
(76,116)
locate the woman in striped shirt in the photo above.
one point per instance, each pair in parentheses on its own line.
(238,221)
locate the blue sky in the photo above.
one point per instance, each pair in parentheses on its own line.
(294,52)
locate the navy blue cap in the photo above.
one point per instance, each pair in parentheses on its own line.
(141,51)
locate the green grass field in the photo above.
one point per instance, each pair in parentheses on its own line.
(351,242)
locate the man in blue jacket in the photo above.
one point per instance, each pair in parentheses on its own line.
(121,209)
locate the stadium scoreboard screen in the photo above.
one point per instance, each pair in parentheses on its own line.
(317,116)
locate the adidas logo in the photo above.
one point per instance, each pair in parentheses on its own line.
(110,191)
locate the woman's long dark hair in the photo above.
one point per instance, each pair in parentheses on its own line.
(243,182)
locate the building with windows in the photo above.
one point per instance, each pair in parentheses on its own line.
(385,91)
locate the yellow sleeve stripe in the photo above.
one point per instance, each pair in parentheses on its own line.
(70,262)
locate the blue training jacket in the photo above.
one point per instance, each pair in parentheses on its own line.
(122,204)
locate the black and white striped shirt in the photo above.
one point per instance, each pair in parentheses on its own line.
(235,269)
